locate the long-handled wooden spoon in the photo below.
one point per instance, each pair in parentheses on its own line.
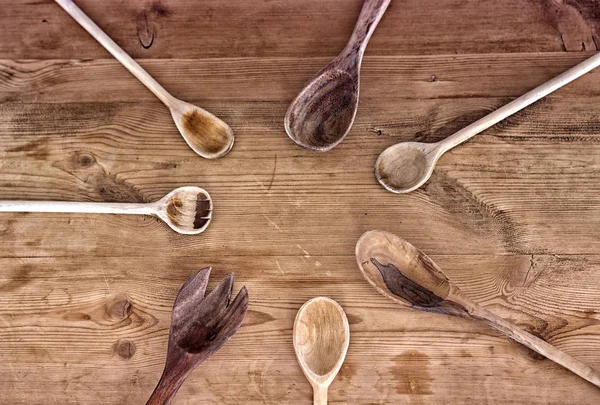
(187,210)
(206,134)
(407,276)
(323,112)
(321,339)
(199,327)
(406,166)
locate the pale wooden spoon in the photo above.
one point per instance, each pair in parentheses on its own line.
(406,166)
(323,112)
(187,210)
(321,339)
(407,276)
(206,134)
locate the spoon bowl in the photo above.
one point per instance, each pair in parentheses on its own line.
(404,274)
(209,136)
(406,166)
(321,339)
(187,210)
(323,112)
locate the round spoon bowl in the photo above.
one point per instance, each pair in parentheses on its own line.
(206,134)
(187,210)
(323,112)
(406,166)
(321,338)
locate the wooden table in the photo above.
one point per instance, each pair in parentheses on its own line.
(513,217)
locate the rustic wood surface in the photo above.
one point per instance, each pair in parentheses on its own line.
(513,216)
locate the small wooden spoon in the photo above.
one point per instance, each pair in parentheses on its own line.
(407,276)
(323,112)
(187,210)
(321,339)
(199,327)
(406,166)
(206,134)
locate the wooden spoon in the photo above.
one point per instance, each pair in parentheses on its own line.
(199,327)
(187,210)
(407,276)
(406,166)
(321,338)
(323,112)
(206,134)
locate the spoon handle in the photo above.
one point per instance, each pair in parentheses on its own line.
(370,15)
(319,395)
(77,207)
(116,51)
(520,103)
(536,344)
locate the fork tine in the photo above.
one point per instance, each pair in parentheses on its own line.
(222,293)
(239,306)
(190,295)
(234,317)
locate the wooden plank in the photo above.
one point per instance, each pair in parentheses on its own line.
(255,80)
(239,28)
(83,330)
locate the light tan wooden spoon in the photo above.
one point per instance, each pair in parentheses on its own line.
(321,339)
(408,277)
(323,112)
(187,210)
(206,134)
(406,166)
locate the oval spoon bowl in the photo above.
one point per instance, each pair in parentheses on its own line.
(406,166)
(208,135)
(322,114)
(321,339)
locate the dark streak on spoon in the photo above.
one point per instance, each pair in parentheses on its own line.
(415,294)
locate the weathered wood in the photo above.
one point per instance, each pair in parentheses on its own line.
(512,216)
(36,29)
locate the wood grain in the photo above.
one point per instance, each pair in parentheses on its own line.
(35,29)
(512,216)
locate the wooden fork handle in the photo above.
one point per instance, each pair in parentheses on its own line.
(370,15)
(116,51)
(538,345)
(165,390)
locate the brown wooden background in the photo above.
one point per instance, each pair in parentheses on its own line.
(513,217)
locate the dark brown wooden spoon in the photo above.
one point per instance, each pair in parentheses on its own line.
(323,112)
(199,327)
(401,272)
